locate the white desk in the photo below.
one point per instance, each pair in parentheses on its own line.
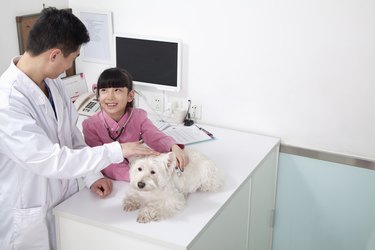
(238,217)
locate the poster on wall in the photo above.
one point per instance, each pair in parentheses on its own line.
(100,47)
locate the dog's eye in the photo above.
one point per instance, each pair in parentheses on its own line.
(139,169)
(152,172)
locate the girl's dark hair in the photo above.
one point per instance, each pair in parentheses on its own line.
(115,78)
(56,29)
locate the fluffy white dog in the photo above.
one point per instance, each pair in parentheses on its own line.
(159,189)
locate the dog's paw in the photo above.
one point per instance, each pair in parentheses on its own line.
(130,205)
(148,215)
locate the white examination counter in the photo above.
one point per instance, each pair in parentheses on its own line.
(238,217)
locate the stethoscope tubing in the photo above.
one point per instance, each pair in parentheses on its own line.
(115,138)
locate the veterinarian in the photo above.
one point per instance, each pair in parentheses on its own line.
(41,149)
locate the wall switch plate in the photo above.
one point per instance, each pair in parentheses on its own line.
(196,112)
(157,103)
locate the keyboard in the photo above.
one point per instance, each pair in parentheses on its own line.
(161,125)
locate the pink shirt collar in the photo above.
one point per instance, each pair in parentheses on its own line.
(112,124)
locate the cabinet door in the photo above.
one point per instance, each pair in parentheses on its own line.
(229,229)
(262,202)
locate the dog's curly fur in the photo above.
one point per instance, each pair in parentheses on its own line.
(159,191)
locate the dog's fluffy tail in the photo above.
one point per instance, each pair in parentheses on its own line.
(215,182)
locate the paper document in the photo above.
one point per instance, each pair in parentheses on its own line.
(188,134)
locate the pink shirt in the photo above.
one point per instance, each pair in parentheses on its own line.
(96,133)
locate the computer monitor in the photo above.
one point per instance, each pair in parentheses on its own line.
(153,62)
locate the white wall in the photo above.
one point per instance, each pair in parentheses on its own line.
(8,13)
(298,69)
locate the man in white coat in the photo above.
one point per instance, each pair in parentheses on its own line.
(41,150)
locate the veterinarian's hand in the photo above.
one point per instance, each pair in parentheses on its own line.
(130,149)
(102,187)
(181,157)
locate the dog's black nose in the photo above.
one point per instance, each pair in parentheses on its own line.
(141,184)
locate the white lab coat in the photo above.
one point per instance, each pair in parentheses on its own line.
(40,157)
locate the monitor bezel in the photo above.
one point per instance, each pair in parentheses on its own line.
(161,39)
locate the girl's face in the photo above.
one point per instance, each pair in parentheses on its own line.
(113,101)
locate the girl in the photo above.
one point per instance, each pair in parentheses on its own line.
(119,121)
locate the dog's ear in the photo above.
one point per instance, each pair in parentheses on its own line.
(171,159)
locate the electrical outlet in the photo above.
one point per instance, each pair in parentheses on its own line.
(196,112)
(157,103)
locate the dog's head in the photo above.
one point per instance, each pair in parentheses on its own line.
(151,172)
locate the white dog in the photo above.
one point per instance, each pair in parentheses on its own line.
(159,189)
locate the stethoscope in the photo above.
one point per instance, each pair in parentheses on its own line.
(114,138)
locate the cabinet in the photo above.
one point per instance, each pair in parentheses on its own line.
(237,217)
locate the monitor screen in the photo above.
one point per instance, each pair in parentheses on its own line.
(151,62)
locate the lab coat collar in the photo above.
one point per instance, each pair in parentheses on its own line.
(28,85)
(35,94)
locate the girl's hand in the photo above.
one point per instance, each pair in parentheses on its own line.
(181,157)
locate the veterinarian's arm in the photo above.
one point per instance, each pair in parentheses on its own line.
(130,149)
